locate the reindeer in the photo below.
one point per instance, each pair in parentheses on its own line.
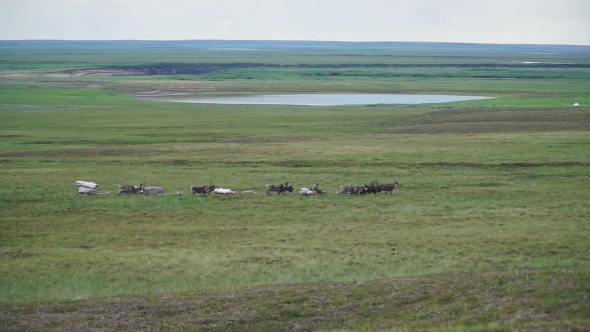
(279,188)
(129,189)
(360,190)
(373,188)
(202,190)
(353,189)
(389,187)
(346,189)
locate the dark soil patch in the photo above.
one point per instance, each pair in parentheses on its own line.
(530,299)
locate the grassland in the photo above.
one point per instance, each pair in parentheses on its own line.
(489,230)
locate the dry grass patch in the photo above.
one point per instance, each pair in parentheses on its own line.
(537,299)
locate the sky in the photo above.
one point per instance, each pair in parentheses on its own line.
(465,21)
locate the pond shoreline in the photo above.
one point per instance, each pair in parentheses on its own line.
(307,99)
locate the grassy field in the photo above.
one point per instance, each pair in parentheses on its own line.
(489,230)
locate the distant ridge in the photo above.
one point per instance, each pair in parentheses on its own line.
(287,45)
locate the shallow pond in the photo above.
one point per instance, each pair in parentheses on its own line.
(327,99)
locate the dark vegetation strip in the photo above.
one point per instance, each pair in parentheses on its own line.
(443,65)
(177,69)
(484,127)
(533,299)
(208,68)
(129,151)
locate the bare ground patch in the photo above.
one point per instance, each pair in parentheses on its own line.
(531,299)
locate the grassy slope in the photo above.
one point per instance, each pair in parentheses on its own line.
(490,187)
(529,299)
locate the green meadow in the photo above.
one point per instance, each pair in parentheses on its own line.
(489,230)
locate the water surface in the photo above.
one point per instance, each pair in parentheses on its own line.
(328,99)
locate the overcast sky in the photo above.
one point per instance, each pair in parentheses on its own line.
(471,21)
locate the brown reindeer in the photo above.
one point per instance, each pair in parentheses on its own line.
(129,189)
(279,188)
(389,187)
(202,190)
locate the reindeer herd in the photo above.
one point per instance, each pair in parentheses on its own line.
(90,188)
(373,188)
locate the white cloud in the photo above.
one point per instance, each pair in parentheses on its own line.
(224,24)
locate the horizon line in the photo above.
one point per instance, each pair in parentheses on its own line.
(287,40)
